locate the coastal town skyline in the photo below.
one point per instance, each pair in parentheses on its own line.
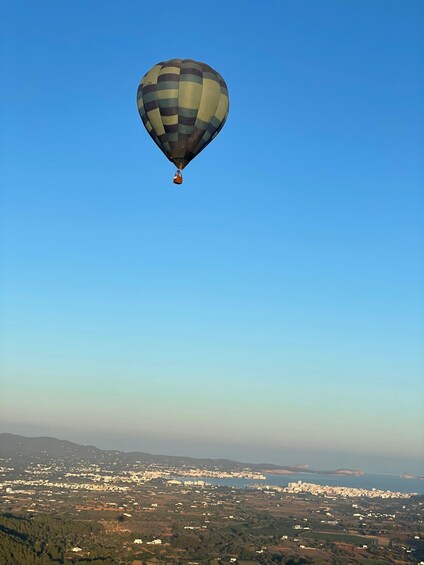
(134,507)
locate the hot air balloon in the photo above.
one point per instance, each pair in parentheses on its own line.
(183,105)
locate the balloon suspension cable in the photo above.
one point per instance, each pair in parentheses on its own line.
(178,177)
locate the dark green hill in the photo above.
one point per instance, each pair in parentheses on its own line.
(11,444)
(49,448)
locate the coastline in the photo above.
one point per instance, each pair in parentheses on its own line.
(390,483)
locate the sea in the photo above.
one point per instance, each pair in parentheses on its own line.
(366,481)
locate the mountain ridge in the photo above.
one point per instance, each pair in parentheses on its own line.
(47,446)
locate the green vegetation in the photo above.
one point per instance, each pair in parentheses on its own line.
(42,539)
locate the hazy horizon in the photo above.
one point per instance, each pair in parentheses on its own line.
(317,459)
(273,304)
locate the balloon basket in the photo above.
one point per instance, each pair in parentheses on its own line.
(178,177)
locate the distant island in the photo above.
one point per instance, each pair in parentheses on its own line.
(305,469)
(267,469)
(409,476)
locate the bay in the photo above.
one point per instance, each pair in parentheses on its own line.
(366,481)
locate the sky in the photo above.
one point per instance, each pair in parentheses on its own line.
(271,308)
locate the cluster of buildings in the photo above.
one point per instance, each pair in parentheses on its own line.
(93,478)
(101,487)
(301,487)
(219,474)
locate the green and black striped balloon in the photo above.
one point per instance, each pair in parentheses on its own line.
(183,105)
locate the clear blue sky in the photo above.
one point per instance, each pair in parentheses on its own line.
(272,307)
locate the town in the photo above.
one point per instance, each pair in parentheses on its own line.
(350,492)
(104,507)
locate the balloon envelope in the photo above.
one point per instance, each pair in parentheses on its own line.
(183,105)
